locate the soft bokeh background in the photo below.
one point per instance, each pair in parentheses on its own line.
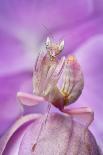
(22,32)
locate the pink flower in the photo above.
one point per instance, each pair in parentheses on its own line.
(79,23)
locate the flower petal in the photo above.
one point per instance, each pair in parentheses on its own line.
(61,135)
(90,56)
(26,120)
(10,107)
(13,52)
(54,142)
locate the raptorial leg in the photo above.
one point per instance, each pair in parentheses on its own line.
(42,126)
(29,99)
(85,114)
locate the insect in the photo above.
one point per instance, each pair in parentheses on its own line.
(57,82)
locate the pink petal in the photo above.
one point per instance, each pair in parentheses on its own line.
(12,52)
(55,138)
(61,135)
(90,56)
(26,120)
(10,107)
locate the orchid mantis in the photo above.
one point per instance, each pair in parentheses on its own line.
(58,82)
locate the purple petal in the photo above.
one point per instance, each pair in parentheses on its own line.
(61,135)
(21,124)
(90,56)
(13,53)
(79,34)
(10,107)
(25,11)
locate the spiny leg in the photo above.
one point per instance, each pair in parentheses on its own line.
(42,126)
(31,100)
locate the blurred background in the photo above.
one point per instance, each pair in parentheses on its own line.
(24,26)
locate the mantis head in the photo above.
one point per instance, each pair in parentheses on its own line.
(53,48)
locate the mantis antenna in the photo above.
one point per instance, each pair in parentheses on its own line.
(48,31)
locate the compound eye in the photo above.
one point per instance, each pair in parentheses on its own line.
(48,42)
(47,46)
(61,45)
